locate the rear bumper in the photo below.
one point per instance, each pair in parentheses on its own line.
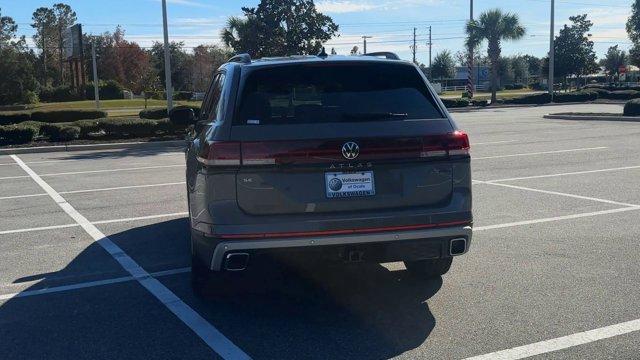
(388,246)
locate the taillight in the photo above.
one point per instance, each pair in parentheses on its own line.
(220,153)
(450,144)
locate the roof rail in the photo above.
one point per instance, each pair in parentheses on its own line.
(241,58)
(386,54)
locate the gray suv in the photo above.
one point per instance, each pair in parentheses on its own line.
(339,158)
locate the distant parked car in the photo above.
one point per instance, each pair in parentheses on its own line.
(336,158)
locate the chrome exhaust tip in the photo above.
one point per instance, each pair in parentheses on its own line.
(457,246)
(236,261)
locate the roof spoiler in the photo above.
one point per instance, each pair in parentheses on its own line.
(385,54)
(241,58)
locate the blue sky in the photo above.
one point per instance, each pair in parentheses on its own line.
(390,22)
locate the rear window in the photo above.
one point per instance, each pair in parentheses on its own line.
(323,93)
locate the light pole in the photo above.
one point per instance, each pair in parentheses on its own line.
(167,58)
(551,50)
(364,43)
(470,87)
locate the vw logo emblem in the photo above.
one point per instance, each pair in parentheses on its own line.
(350,150)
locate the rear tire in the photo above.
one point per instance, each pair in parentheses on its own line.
(429,268)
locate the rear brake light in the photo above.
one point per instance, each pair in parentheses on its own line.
(221,153)
(452,144)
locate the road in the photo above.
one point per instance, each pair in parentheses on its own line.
(94,258)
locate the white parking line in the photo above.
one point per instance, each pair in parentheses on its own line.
(88,284)
(540,153)
(149,217)
(547,346)
(555,193)
(53,227)
(207,332)
(97,171)
(88,160)
(21,196)
(494,142)
(14,177)
(565,174)
(95,190)
(113,170)
(121,188)
(556,218)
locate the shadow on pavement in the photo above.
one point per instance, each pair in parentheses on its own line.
(278,309)
(122,153)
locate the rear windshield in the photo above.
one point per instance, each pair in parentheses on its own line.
(329,93)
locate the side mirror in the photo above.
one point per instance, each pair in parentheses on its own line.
(182,116)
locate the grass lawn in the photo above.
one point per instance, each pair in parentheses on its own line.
(112,107)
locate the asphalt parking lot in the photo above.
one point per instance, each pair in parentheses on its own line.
(94,258)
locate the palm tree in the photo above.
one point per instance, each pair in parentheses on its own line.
(494,26)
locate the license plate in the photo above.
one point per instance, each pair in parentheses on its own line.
(349,184)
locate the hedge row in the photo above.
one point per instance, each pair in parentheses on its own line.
(588,94)
(49,116)
(161,113)
(632,108)
(108,90)
(611,87)
(112,128)
(17,134)
(455,103)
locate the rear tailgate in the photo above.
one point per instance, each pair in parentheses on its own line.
(327,136)
(295,176)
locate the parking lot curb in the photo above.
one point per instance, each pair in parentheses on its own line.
(159,145)
(591,117)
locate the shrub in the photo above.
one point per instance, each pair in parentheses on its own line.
(529,99)
(17,134)
(514,86)
(29,97)
(111,90)
(161,113)
(455,103)
(8,118)
(57,116)
(108,90)
(632,108)
(88,127)
(576,96)
(623,95)
(60,132)
(481,103)
(183,95)
(155,114)
(123,128)
(59,94)
(602,93)
(538,86)
(612,87)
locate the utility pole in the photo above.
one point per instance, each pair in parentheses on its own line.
(96,91)
(470,87)
(364,43)
(167,58)
(430,46)
(413,48)
(551,50)
(44,56)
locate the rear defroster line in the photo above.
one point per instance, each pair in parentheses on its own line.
(207,332)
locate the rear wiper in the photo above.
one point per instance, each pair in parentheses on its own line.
(374,116)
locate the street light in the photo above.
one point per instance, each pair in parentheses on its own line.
(551,50)
(167,58)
